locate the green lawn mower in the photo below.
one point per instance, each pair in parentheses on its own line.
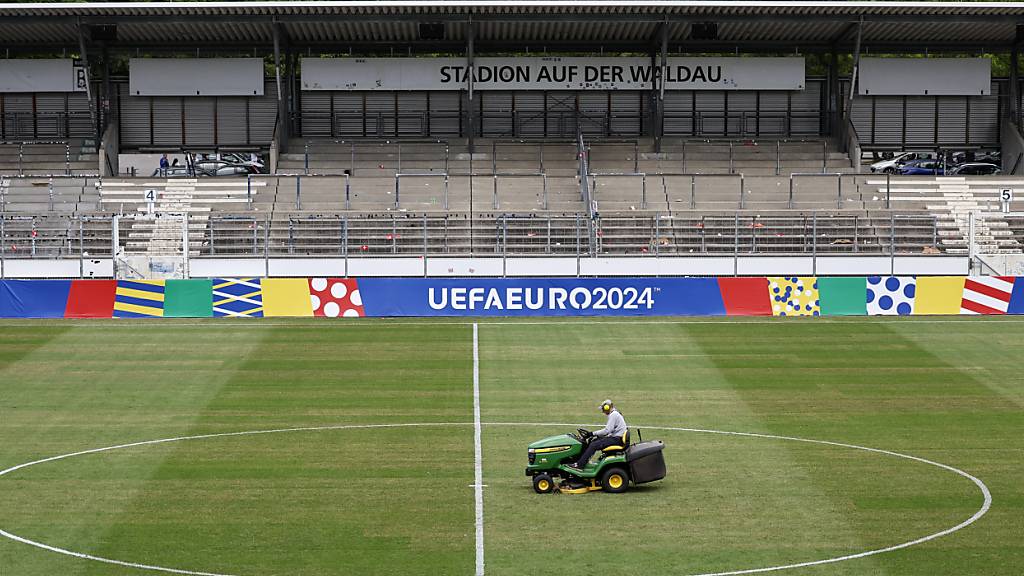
(611,470)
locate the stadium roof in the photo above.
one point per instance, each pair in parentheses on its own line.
(514,24)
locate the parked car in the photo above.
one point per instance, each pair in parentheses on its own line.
(892,165)
(253,160)
(974,169)
(223,168)
(976,157)
(212,168)
(929,167)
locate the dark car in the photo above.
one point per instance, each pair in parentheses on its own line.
(975,169)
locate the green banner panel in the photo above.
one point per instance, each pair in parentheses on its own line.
(188,299)
(843,296)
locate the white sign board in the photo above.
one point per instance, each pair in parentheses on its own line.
(551,73)
(41,75)
(195,76)
(1005,197)
(925,76)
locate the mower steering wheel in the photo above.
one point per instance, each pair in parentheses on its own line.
(584,433)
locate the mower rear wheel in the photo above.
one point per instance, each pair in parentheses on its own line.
(614,480)
(543,484)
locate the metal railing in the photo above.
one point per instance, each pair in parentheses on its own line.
(735,234)
(21,126)
(617,234)
(25,156)
(386,154)
(741,124)
(381,124)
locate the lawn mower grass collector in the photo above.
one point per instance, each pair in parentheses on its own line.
(611,470)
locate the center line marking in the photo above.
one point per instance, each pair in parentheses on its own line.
(478,484)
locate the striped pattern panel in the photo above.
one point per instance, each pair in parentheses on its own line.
(139,299)
(986,294)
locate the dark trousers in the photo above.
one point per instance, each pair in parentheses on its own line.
(595,445)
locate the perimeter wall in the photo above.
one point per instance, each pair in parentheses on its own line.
(383,297)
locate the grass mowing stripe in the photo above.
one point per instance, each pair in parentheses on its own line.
(93,387)
(860,384)
(322,502)
(728,503)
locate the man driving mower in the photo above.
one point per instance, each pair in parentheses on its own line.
(610,435)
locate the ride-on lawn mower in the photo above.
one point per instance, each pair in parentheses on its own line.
(611,470)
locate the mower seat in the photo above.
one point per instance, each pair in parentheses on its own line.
(616,448)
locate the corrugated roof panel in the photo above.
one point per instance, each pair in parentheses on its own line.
(346,21)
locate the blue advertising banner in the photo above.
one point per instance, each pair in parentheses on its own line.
(542,297)
(33,298)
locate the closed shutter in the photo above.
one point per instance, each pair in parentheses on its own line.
(806,109)
(711,112)
(135,121)
(79,118)
(742,116)
(593,113)
(18,121)
(862,116)
(444,114)
(50,115)
(625,113)
(952,120)
(232,121)
(888,120)
(412,113)
(679,118)
(773,118)
(561,114)
(920,121)
(495,113)
(262,117)
(348,115)
(199,121)
(167,121)
(984,118)
(316,110)
(530,114)
(380,114)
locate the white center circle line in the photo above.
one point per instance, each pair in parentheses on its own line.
(987,495)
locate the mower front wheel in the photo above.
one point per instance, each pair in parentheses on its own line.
(615,480)
(543,484)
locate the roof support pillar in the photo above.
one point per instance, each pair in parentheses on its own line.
(658,87)
(282,102)
(1013,110)
(855,75)
(471,103)
(88,81)
(294,92)
(834,95)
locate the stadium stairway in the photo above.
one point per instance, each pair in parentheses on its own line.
(155,232)
(952,199)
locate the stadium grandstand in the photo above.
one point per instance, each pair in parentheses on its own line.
(149,139)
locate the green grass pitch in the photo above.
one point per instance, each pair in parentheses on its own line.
(400,500)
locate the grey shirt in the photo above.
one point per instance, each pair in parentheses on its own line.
(616,425)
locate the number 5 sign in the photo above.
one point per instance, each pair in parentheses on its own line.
(1005,197)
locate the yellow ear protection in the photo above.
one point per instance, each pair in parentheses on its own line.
(606,407)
